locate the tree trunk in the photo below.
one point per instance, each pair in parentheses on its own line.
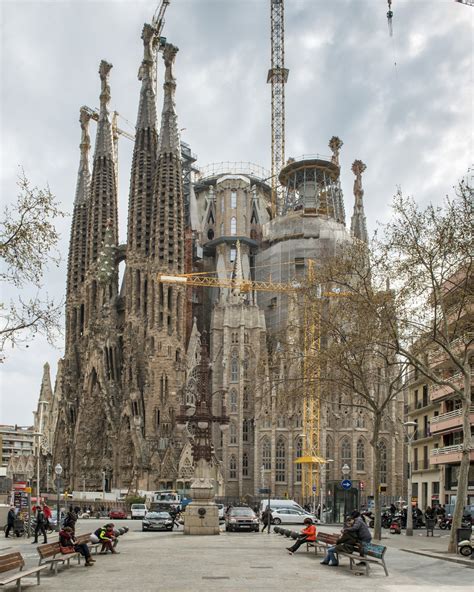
(376,481)
(461,497)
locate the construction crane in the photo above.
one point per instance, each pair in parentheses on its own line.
(467,2)
(158,22)
(277,77)
(311,459)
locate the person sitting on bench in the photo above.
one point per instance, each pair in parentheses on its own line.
(106,536)
(308,535)
(67,542)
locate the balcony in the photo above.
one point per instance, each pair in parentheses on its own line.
(438,392)
(419,406)
(448,422)
(448,455)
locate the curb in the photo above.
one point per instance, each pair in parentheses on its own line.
(466,562)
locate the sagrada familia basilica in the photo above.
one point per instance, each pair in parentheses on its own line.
(133,342)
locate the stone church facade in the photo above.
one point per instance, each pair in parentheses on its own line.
(132,344)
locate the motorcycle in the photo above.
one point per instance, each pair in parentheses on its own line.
(387,518)
(466,547)
(446,522)
(396,525)
(369,518)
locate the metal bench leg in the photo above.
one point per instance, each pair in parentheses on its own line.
(385,567)
(18,585)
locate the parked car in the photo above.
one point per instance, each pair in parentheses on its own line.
(221,509)
(118,514)
(242,517)
(157,521)
(291,516)
(138,511)
(279,503)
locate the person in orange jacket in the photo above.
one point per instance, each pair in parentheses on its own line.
(308,534)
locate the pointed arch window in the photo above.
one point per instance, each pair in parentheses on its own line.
(232,433)
(346,452)
(360,455)
(245,430)
(266,454)
(234,368)
(245,401)
(232,467)
(383,462)
(233,199)
(233,401)
(233,226)
(280,475)
(245,465)
(299,453)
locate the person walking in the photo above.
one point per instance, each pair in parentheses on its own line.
(10,521)
(308,535)
(41,523)
(267,518)
(68,544)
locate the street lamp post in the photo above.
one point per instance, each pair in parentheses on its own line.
(410,437)
(345,474)
(58,470)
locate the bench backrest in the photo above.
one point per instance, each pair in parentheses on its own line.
(83,538)
(11,561)
(324,537)
(48,550)
(373,550)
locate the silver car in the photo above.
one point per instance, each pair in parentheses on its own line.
(291,516)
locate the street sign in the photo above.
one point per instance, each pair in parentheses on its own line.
(264,490)
(27,490)
(346,484)
(314,488)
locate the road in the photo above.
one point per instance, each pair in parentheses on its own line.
(241,562)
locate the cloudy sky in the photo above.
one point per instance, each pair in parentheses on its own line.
(402,104)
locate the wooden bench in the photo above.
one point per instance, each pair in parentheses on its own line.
(369,553)
(86,538)
(12,561)
(50,553)
(323,541)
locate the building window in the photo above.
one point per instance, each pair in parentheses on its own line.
(245,465)
(233,254)
(360,462)
(346,453)
(245,430)
(233,401)
(299,453)
(234,368)
(266,454)
(245,402)
(232,434)
(383,462)
(233,226)
(280,475)
(233,199)
(232,467)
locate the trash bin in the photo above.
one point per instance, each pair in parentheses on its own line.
(430,524)
(463,534)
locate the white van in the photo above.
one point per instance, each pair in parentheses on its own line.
(279,503)
(138,511)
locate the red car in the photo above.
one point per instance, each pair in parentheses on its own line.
(117,514)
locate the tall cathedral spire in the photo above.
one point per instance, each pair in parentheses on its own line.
(358,221)
(168,223)
(103,202)
(144,154)
(77,244)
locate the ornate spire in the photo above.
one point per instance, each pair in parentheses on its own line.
(103,200)
(358,221)
(335,144)
(146,117)
(144,155)
(84,175)
(104,144)
(169,135)
(167,231)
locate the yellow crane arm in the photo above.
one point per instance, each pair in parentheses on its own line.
(232,283)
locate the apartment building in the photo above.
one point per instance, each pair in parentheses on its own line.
(14,440)
(427,478)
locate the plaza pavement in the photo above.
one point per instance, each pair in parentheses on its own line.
(247,562)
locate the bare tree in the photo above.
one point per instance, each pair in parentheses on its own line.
(427,254)
(28,239)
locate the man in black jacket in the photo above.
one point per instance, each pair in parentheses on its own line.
(40,524)
(10,521)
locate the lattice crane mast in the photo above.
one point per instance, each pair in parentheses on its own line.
(311,457)
(277,77)
(467,2)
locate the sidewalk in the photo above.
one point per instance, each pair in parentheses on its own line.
(241,562)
